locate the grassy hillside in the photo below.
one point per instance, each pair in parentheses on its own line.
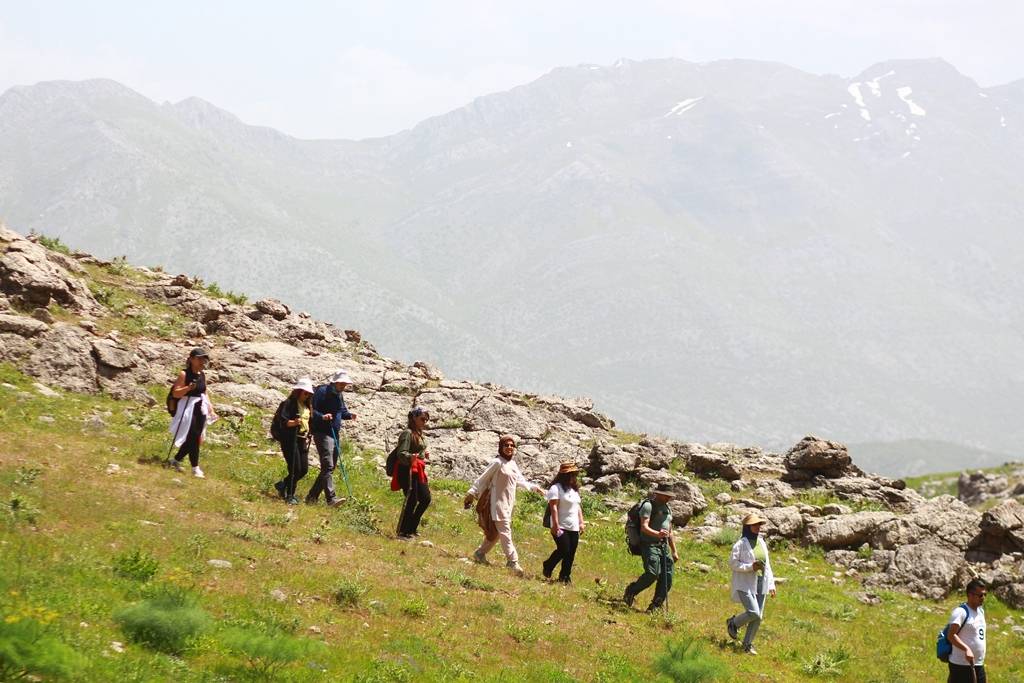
(946,482)
(82,542)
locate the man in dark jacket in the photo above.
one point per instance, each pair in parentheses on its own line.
(328,412)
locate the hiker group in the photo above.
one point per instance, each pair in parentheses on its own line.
(314,415)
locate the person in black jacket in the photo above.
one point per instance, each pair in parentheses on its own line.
(328,412)
(193,412)
(295,438)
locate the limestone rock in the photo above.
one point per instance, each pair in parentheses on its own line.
(112,357)
(924,569)
(273,308)
(976,487)
(21,325)
(64,358)
(29,274)
(708,463)
(784,521)
(813,457)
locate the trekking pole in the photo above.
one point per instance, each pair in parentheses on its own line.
(664,570)
(341,463)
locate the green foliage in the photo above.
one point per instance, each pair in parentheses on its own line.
(20,509)
(28,651)
(213,289)
(452,423)
(459,579)
(725,537)
(684,661)
(841,612)
(51,243)
(827,663)
(266,654)
(136,564)
(592,506)
(119,266)
(349,593)
(197,545)
(523,633)
(415,608)
(386,670)
(26,476)
(359,514)
(622,438)
(236,298)
(166,623)
(106,296)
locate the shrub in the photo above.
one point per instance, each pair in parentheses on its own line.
(119,266)
(465,581)
(684,661)
(842,612)
(827,663)
(415,608)
(349,593)
(452,423)
(236,298)
(136,564)
(724,537)
(26,650)
(384,670)
(359,515)
(266,653)
(168,623)
(52,243)
(523,634)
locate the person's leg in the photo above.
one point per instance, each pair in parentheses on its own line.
(652,568)
(324,447)
(572,541)
(960,674)
(755,624)
(422,503)
(286,453)
(408,501)
(195,431)
(556,556)
(505,538)
(750,612)
(485,547)
(328,473)
(980,672)
(301,463)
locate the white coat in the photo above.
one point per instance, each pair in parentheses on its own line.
(502,477)
(183,417)
(744,576)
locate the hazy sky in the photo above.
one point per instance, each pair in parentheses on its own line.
(315,68)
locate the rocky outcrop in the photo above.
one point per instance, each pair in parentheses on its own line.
(974,488)
(896,539)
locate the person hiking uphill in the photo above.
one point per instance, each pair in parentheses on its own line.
(498,485)
(328,412)
(566,517)
(411,473)
(295,438)
(752,578)
(193,412)
(967,635)
(657,548)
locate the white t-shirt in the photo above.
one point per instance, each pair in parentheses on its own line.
(972,633)
(568,507)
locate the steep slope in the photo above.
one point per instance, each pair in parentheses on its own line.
(734,250)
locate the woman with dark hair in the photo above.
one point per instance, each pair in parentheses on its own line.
(193,412)
(566,520)
(295,438)
(752,578)
(496,491)
(411,473)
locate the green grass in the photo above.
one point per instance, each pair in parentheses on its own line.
(90,559)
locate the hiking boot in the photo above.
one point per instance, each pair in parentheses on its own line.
(653,607)
(749,650)
(198,473)
(280,489)
(174,465)
(479,557)
(335,502)
(730,626)
(404,537)
(516,569)
(628,597)
(292,500)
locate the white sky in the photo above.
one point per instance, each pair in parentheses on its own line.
(314,68)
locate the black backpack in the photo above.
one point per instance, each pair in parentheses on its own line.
(171,403)
(546,519)
(277,424)
(391,463)
(632,528)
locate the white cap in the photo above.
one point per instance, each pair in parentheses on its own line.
(306,384)
(341,376)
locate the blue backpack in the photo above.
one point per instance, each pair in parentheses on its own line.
(943,646)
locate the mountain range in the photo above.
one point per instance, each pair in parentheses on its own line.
(732,250)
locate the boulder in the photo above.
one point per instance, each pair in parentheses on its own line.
(1002,532)
(976,487)
(784,521)
(846,531)
(31,274)
(607,484)
(924,569)
(21,325)
(708,463)
(64,358)
(111,357)
(813,457)
(274,308)
(503,417)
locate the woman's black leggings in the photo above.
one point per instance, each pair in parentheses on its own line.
(296,458)
(417,500)
(565,552)
(195,430)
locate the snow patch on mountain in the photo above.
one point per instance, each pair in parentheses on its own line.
(683,107)
(904,94)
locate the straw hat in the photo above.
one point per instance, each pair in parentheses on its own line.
(752,519)
(567,468)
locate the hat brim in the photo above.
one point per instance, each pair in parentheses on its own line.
(666,494)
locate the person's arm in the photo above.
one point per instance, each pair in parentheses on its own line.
(180,388)
(580,510)
(343,411)
(954,638)
(555,526)
(739,560)
(481,483)
(769,575)
(672,546)
(291,415)
(404,444)
(524,483)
